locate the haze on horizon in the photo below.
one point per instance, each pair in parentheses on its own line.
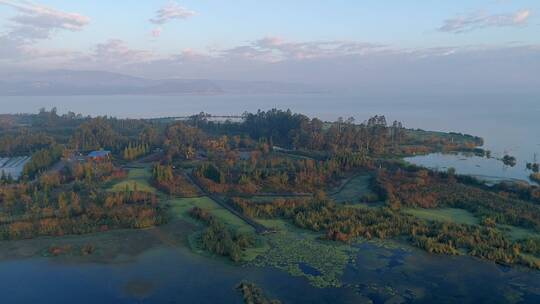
(485,46)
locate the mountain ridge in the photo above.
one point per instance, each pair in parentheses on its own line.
(77,82)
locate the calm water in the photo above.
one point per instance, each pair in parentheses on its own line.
(488,169)
(175,275)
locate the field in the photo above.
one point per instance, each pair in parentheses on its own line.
(461,216)
(453,215)
(354,190)
(180,208)
(517,233)
(290,154)
(269,199)
(137,179)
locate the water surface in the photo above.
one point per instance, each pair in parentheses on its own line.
(176,275)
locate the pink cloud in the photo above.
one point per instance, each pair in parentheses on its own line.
(170,12)
(156,33)
(478,20)
(37,21)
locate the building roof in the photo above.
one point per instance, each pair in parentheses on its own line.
(98,154)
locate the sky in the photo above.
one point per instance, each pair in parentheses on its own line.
(372,43)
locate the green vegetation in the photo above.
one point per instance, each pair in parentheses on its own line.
(268,198)
(134,151)
(534,167)
(274,168)
(292,249)
(220,239)
(518,233)
(253,294)
(450,215)
(357,189)
(137,180)
(509,160)
(171,182)
(348,224)
(69,213)
(535,177)
(181,207)
(442,142)
(264,173)
(41,160)
(414,187)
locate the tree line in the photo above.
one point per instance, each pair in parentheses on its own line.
(219,239)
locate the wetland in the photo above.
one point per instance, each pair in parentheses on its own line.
(349,221)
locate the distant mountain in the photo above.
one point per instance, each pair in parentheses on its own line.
(68,82)
(265,87)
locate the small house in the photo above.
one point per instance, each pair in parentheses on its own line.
(99,155)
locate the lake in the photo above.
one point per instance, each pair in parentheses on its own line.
(173,274)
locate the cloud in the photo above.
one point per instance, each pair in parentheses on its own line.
(478,20)
(275,49)
(38,22)
(116,52)
(355,65)
(14,51)
(35,22)
(170,12)
(156,32)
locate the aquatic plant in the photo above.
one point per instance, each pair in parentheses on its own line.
(302,253)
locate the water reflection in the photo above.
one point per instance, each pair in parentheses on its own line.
(489,169)
(381,273)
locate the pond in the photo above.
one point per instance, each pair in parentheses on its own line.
(165,273)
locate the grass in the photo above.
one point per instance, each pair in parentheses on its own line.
(137,178)
(290,155)
(268,199)
(282,225)
(461,216)
(363,205)
(180,208)
(517,233)
(453,215)
(355,189)
(188,164)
